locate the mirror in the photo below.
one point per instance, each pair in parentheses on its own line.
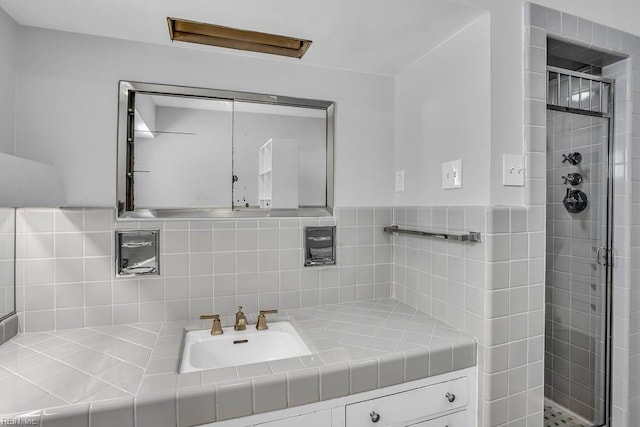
(189,152)
(7,261)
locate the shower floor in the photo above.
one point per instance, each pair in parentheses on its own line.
(557,416)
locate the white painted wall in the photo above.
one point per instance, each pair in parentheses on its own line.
(443,113)
(26,183)
(8,39)
(69,82)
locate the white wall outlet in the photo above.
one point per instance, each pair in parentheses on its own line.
(399,181)
(452,174)
(513,170)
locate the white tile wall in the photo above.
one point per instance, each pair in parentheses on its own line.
(624,413)
(66,267)
(493,290)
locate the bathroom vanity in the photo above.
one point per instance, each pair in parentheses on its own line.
(373,363)
(440,401)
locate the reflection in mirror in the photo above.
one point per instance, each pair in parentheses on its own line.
(7,261)
(182,152)
(279,156)
(191,152)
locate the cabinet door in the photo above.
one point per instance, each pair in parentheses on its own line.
(459,419)
(400,408)
(314,419)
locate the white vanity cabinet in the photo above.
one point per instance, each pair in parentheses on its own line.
(313,419)
(447,400)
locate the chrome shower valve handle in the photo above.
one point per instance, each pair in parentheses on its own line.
(573,179)
(572,158)
(575,201)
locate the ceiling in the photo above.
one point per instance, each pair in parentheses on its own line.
(372,36)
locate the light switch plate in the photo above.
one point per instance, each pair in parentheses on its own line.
(513,170)
(452,174)
(399,181)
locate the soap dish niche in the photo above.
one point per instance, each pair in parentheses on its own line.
(319,246)
(137,253)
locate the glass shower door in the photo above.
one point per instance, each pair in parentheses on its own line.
(577,275)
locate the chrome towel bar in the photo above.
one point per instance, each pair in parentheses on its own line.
(472,236)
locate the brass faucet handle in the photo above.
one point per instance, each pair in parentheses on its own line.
(262,319)
(210,316)
(216,326)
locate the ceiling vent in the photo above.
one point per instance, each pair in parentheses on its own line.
(232,38)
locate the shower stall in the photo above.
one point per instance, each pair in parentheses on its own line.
(579,241)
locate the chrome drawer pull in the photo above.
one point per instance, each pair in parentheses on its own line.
(375,417)
(450,397)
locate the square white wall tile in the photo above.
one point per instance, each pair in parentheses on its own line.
(65,260)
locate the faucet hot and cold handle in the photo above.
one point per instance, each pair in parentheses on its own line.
(210,316)
(261,325)
(216,327)
(241,321)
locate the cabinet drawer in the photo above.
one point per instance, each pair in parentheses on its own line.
(459,419)
(409,405)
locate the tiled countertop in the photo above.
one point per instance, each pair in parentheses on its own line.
(102,373)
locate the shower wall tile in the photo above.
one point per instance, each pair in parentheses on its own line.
(65,267)
(493,289)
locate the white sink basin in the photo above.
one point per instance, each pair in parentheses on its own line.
(205,351)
